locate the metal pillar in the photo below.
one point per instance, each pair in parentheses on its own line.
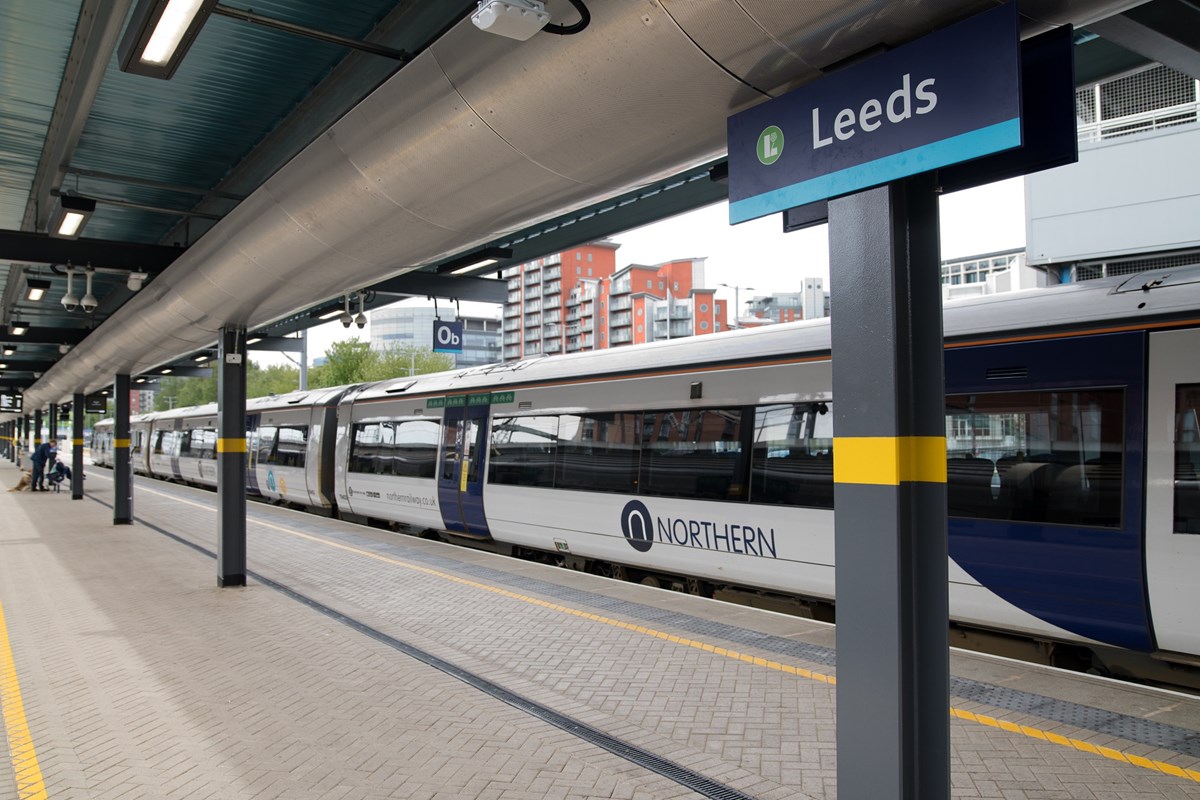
(25,444)
(77,447)
(231,458)
(37,428)
(893,671)
(53,423)
(122,466)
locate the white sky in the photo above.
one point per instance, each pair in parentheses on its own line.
(758,254)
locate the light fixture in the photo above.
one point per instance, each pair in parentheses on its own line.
(345,317)
(64,349)
(516,19)
(70,300)
(37,375)
(136,281)
(35,289)
(159,35)
(3,365)
(326,312)
(140,380)
(201,358)
(68,215)
(9,349)
(167,371)
(89,302)
(253,340)
(18,328)
(361,319)
(472,261)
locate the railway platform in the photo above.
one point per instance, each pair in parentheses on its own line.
(358,663)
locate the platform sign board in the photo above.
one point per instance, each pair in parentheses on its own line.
(11,401)
(96,404)
(447,336)
(948,97)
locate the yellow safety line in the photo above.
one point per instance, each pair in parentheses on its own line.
(30,785)
(1023,730)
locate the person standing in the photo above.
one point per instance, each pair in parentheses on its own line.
(45,453)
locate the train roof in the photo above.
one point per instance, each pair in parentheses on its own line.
(1148,298)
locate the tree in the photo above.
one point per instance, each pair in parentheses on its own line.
(398,361)
(180,392)
(345,362)
(277,379)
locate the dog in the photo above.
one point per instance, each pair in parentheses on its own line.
(24,483)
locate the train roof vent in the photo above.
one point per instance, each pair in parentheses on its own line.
(299,399)
(404,387)
(1007,373)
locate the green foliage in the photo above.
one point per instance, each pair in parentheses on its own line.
(347,362)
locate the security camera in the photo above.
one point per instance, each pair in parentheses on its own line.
(360,320)
(70,302)
(89,303)
(516,19)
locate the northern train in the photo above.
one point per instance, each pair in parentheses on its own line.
(706,464)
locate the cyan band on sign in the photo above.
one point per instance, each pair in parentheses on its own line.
(948,97)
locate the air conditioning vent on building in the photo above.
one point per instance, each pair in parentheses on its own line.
(1007,373)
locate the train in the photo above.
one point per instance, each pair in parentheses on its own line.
(705,464)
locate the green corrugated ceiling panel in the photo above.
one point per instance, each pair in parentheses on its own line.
(237,82)
(35,38)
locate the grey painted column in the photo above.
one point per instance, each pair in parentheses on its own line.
(893,723)
(122,465)
(53,423)
(77,404)
(231,458)
(25,444)
(37,428)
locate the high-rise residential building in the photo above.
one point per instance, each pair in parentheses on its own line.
(578,300)
(412,326)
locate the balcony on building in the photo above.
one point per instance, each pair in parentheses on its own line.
(549,273)
(553,316)
(620,303)
(514,297)
(552,287)
(552,346)
(512,351)
(533,292)
(513,323)
(572,314)
(552,301)
(533,348)
(512,338)
(512,310)
(550,330)
(533,305)
(512,271)
(533,320)
(621,337)
(514,283)
(622,320)
(622,286)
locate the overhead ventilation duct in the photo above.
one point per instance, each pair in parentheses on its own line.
(480,136)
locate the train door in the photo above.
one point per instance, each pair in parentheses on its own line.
(460,479)
(1052,523)
(1173,489)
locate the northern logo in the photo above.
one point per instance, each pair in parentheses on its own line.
(637,525)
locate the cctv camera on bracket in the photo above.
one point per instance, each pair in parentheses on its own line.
(516,19)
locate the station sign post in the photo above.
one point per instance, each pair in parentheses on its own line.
(867,139)
(447,336)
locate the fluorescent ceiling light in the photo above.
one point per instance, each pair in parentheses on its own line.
(9,349)
(167,371)
(477,260)
(17,328)
(337,312)
(481,263)
(200,357)
(36,289)
(68,215)
(159,35)
(169,31)
(254,340)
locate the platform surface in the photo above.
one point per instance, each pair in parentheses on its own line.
(358,663)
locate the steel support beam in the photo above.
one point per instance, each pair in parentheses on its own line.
(77,405)
(53,424)
(231,457)
(426,284)
(278,344)
(890,495)
(37,428)
(122,465)
(42,248)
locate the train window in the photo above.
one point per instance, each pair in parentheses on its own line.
(452,441)
(1187,459)
(185,444)
(694,453)
(523,451)
(290,445)
(364,447)
(416,442)
(1037,456)
(266,443)
(598,452)
(204,443)
(158,443)
(793,455)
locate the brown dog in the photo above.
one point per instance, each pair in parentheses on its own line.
(24,483)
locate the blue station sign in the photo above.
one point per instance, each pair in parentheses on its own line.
(948,97)
(447,337)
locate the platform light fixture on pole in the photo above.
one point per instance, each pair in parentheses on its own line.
(159,35)
(68,215)
(737,300)
(35,289)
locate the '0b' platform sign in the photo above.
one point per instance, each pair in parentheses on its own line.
(447,337)
(948,97)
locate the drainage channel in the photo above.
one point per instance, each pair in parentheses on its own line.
(685,777)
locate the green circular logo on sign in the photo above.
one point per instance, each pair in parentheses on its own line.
(770,145)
